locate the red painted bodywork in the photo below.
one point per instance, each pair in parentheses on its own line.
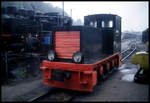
(83,76)
(66,43)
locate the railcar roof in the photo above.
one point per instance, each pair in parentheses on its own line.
(103,15)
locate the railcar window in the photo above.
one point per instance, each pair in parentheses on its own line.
(91,23)
(110,24)
(107,24)
(95,24)
(103,24)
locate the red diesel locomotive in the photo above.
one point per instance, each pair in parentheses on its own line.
(82,54)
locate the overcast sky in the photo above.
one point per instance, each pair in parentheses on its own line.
(134,15)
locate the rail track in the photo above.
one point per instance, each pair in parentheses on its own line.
(126,53)
(57,94)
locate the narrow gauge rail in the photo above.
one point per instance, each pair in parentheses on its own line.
(55,95)
(126,53)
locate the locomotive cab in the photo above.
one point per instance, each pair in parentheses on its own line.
(111,29)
